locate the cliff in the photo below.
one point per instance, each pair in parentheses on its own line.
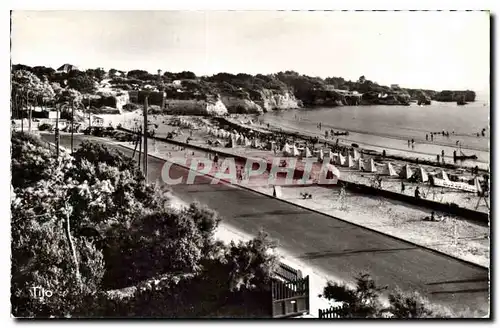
(195,107)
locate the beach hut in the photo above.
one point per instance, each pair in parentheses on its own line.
(420,175)
(286,150)
(370,166)
(389,170)
(306,152)
(350,161)
(406,172)
(295,151)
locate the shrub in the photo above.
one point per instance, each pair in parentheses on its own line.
(45,127)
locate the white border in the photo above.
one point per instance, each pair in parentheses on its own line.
(178,5)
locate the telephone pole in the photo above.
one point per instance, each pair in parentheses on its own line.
(145,154)
(56,132)
(72,125)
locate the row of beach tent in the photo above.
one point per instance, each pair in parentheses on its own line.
(355,161)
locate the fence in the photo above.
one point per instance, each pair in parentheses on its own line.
(335,312)
(290,298)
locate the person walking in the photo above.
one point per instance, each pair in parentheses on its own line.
(417,193)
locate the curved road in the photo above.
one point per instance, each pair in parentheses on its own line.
(332,245)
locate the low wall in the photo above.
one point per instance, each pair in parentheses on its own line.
(359,188)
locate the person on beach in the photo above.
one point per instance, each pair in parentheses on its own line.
(438,158)
(408,143)
(417,192)
(416,160)
(442,154)
(412,141)
(426,137)
(432,137)
(402,186)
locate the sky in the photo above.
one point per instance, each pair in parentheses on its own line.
(434,50)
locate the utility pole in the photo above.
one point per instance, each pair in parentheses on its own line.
(90,123)
(56,133)
(29,117)
(145,154)
(72,124)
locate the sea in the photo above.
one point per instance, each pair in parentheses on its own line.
(390,127)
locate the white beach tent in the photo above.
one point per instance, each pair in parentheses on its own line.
(350,161)
(360,165)
(421,175)
(255,143)
(389,170)
(370,166)
(306,153)
(247,142)
(332,172)
(406,172)
(443,175)
(321,155)
(286,150)
(356,154)
(295,151)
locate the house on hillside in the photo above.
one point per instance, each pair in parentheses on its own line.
(97,121)
(177,83)
(66,68)
(395,87)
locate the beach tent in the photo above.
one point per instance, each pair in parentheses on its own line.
(421,175)
(321,155)
(255,143)
(247,141)
(231,143)
(295,151)
(341,160)
(332,172)
(389,170)
(286,150)
(360,165)
(356,154)
(443,175)
(406,172)
(370,167)
(306,152)
(477,185)
(350,161)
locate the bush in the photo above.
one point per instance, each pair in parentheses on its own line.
(45,127)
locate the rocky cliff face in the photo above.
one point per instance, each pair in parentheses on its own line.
(272,100)
(267,100)
(195,107)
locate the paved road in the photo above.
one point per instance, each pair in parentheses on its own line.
(334,246)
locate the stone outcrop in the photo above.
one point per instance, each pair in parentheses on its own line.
(195,107)
(448,96)
(236,105)
(272,100)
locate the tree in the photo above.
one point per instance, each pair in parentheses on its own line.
(404,305)
(98,74)
(360,302)
(82,83)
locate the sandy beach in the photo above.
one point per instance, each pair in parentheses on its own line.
(453,235)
